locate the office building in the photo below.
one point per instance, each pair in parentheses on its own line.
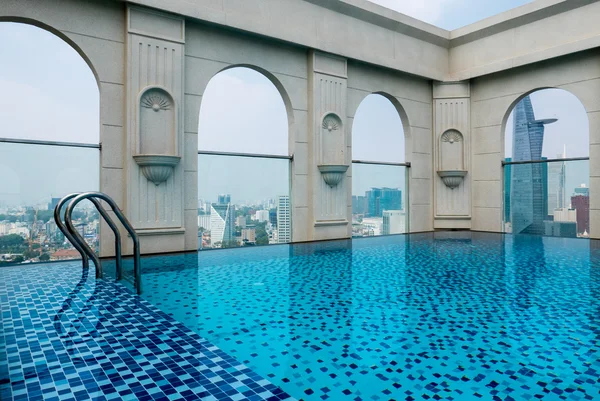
(529,182)
(222,219)
(284,232)
(394,222)
(240,221)
(262,215)
(380,199)
(560,229)
(204,222)
(359,204)
(581,204)
(556,184)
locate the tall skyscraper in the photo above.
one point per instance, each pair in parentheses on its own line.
(556,184)
(222,221)
(507,181)
(581,203)
(529,191)
(380,199)
(284,227)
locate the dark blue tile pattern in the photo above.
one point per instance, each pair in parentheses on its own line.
(64,336)
(423,317)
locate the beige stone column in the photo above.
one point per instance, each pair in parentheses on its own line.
(157,199)
(452,151)
(330,159)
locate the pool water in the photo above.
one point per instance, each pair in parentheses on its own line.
(444,316)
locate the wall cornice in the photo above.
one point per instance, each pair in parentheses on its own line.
(363,31)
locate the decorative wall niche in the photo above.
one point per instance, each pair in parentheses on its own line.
(157,150)
(332,165)
(452,158)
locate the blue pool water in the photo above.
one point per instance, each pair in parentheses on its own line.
(445,316)
(429,316)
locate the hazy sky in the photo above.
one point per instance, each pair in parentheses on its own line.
(50,93)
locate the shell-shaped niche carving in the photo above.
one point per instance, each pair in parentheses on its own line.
(452,136)
(157,135)
(331,122)
(452,158)
(452,151)
(332,140)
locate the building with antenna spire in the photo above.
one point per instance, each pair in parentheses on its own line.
(529,182)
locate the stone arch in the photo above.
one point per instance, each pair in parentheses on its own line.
(401,113)
(550,187)
(516,99)
(283,93)
(59,34)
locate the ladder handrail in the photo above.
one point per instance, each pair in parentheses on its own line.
(76,239)
(65,231)
(136,243)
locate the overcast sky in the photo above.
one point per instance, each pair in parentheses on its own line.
(50,93)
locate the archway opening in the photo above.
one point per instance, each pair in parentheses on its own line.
(379,172)
(546,166)
(49,142)
(243,162)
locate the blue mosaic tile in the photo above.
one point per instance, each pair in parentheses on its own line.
(67,336)
(422,317)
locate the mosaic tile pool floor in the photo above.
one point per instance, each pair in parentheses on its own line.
(64,336)
(422,317)
(463,316)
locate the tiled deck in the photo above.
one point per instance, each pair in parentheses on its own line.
(68,337)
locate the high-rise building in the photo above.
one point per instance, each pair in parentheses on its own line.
(529,182)
(556,184)
(204,221)
(240,221)
(507,181)
(380,199)
(262,215)
(273,217)
(249,235)
(359,204)
(222,219)
(394,222)
(565,215)
(581,203)
(284,228)
(223,199)
(53,203)
(560,229)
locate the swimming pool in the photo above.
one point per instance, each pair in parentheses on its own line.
(444,316)
(430,316)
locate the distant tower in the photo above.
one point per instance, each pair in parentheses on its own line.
(529,192)
(284,228)
(222,220)
(557,196)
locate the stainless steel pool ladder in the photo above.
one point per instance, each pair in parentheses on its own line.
(68,229)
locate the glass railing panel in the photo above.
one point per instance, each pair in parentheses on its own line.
(379,200)
(549,198)
(243,201)
(32,180)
